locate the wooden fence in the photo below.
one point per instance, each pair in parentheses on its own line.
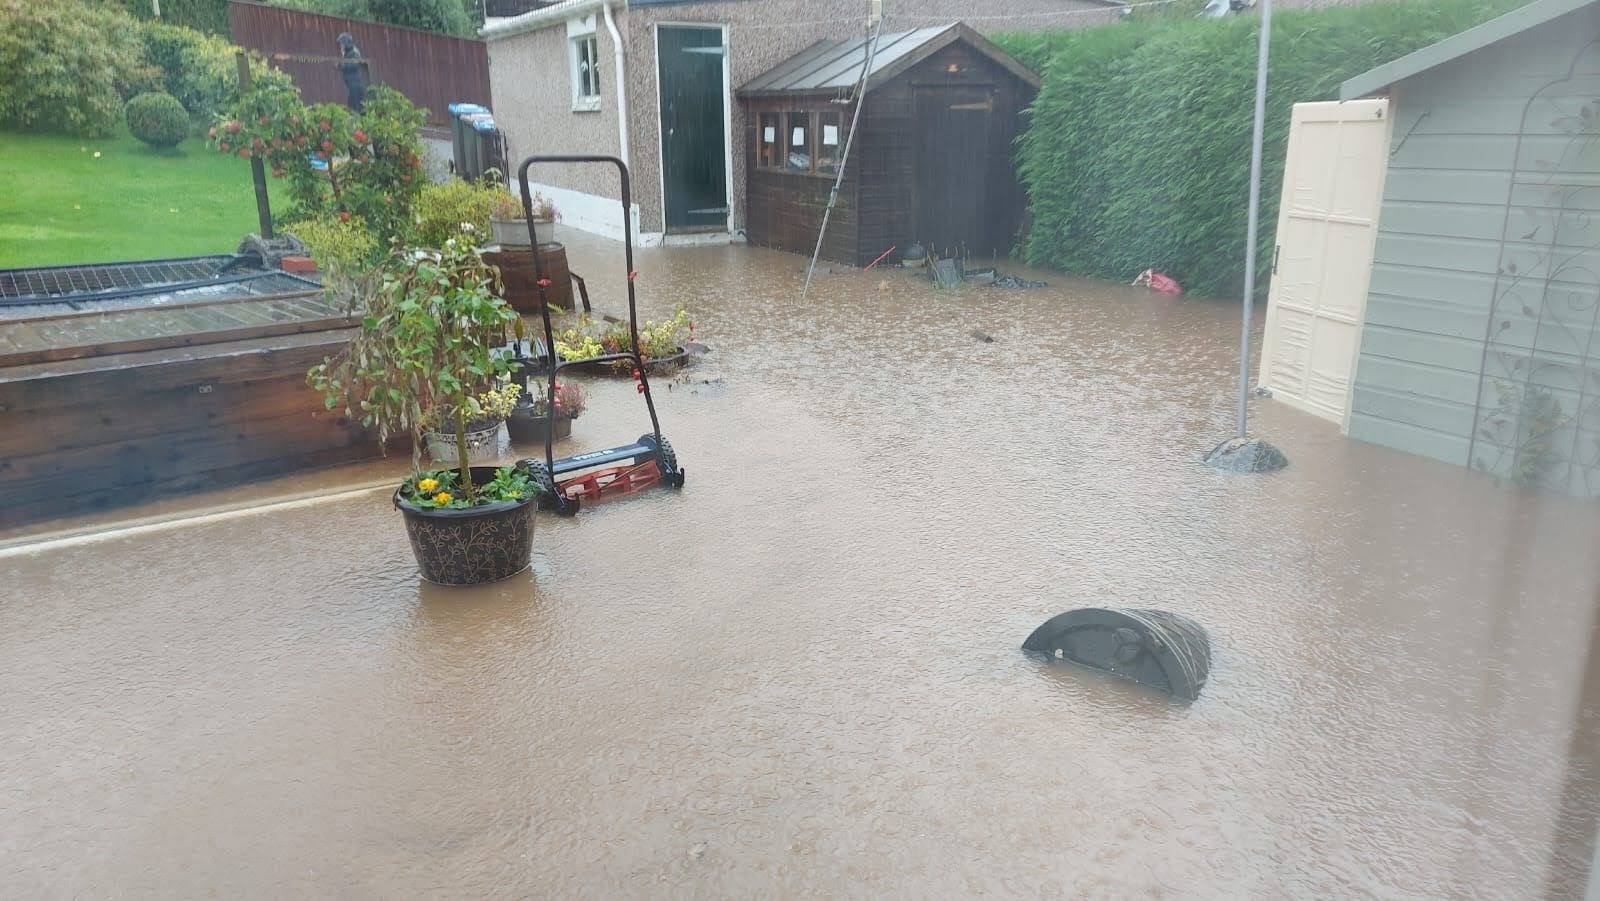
(433,70)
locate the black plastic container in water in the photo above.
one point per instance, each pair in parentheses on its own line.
(1165,651)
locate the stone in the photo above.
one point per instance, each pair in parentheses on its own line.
(1246,455)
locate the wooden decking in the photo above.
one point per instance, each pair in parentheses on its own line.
(75,335)
(111,407)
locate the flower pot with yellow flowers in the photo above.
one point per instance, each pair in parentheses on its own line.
(425,355)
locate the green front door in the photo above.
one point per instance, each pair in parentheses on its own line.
(693,151)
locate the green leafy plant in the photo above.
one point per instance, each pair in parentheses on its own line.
(208,16)
(369,166)
(341,245)
(157,119)
(443,207)
(483,409)
(1137,150)
(430,325)
(436,489)
(67,65)
(570,399)
(586,339)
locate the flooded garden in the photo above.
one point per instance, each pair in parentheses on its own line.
(801,675)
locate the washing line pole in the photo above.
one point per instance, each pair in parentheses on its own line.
(844,159)
(1262,49)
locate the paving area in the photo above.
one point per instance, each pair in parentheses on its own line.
(800,676)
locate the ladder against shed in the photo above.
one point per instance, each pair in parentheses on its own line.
(106,407)
(932,163)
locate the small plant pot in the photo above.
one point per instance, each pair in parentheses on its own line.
(527,428)
(483,445)
(471,546)
(513,233)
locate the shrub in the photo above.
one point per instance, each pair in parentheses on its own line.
(342,246)
(157,119)
(66,65)
(1138,148)
(199,69)
(443,207)
(373,162)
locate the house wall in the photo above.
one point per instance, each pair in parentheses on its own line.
(763,33)
(1478,281)
(532,101)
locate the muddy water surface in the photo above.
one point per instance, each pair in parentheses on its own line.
(800,676)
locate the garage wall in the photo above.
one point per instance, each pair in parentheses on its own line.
(1476,283)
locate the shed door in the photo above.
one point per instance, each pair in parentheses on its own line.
(693,146)
(952,161)
(1327,221)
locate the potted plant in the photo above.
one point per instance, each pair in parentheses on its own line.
(488,412)
(430,328)
(530,421)
(509,221)
(660,343)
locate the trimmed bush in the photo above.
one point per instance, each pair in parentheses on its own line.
(342,246)
(199,69)
(443,207)
(66,65)
(158,119)
(1138,148)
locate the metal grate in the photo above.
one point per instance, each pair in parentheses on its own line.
(65,281)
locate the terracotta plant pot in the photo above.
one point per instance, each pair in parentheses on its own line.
(471,546)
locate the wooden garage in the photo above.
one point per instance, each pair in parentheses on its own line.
(933,161)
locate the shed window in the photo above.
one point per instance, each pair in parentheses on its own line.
(585,73)
(769,141)
(797,141)
(830,142)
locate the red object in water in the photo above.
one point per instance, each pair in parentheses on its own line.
(613,482)
(298,263)
(1159,282)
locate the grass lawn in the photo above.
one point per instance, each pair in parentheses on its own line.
(60,203)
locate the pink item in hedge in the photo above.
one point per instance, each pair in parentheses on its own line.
(1158,282)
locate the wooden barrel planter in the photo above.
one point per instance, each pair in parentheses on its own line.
(521,284)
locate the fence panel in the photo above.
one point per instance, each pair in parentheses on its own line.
(433,70)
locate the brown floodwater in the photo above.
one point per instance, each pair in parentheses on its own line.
(800,676)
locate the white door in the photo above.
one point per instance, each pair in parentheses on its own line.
(1327,221)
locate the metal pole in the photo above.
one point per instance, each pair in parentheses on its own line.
(258,170)
(1255,213)
(844,159)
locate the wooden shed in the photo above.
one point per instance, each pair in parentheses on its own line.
(932,163)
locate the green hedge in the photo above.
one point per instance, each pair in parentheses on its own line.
(1138,148)
(199,69)
(67,65)
(210,16)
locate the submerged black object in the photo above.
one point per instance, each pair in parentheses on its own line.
(1163,650)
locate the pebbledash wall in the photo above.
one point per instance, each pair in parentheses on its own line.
(532,95)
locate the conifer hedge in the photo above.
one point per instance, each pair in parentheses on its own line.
(1137,152)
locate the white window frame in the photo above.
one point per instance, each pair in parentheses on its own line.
(580,32)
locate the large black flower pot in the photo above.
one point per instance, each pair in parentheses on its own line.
(471,546)
(527,428)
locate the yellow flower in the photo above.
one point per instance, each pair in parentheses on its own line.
(427,484)
(443,497)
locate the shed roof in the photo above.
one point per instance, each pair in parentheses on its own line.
(1478,37)
(829,66)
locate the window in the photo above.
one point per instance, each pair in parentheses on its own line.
(797,136)
(769,141)
(585,73)
(830,143)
